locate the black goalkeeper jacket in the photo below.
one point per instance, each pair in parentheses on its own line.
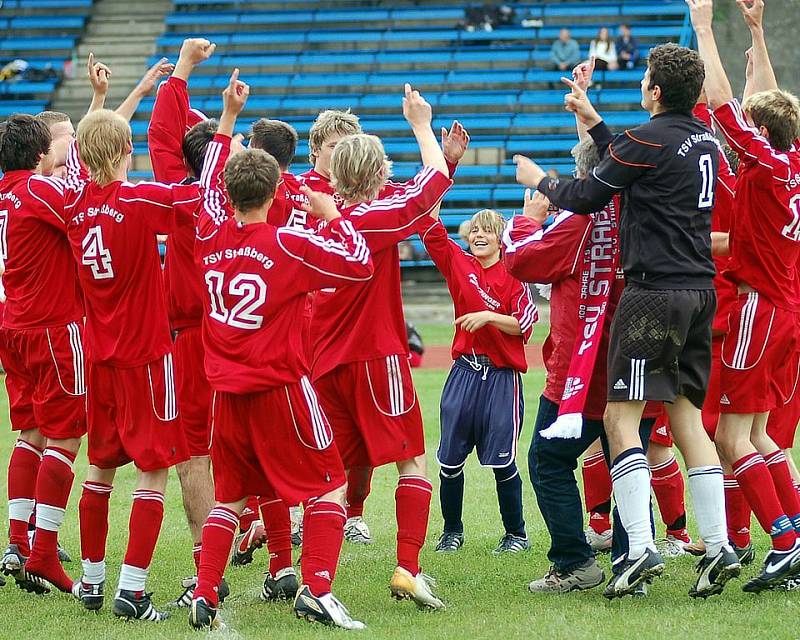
(666,171)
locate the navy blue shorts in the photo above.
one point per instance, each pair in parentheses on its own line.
(480,408)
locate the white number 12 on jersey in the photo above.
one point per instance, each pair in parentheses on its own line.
(96,256)
(706,163)
(251,291)
(792,230)
(3,233)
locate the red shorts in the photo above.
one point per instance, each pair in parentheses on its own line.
(194,392)
(711,404)
(661,433)
(759,356)
(45,379)
(374,411)
(275,442)
(133,416)
(782,422)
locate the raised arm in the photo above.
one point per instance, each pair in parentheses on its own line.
(718,88)
(341,257)
(763,75)
(99,75)
(584,117)
(454,145)
(418,114)
(144,88)
(170,118)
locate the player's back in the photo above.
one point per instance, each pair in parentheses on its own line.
(112,230)
(765,230)
(40,279)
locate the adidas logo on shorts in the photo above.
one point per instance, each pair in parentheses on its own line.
(724,399)
(619,385)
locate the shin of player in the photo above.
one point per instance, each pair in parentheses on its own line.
(42,353)
(259,276)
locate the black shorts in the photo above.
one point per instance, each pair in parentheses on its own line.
(660,345)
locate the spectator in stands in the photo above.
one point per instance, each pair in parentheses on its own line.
(565,52)
(487,17)
(627,48)
(604,51)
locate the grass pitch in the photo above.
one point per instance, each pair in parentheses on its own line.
(486,596)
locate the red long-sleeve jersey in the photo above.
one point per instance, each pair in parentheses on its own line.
(474,288)
(40,279)
(257,278)
(765,225)
(112,231)
(721,221)
(366,321)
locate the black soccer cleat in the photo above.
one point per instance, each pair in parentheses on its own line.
(746,554)
(326,610)
(449,542)
(13,564)
(511,543)
(715,572)
(779,566)
(283,586)
(63,556)
(90,595)
(203,616)
(128,607)
(632,573)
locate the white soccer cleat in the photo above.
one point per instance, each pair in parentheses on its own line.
(325,609)
(417,588)
(356,530)
(599,542)
(672,547)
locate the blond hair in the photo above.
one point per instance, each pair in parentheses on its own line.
(490,221)
(359,167)
(52,117)
(779,112)
(329,123)
(104,142)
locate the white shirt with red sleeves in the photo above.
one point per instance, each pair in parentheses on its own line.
(257,278)
(765,224)
(40,279)
(366,321)
(475,288)
(112,231)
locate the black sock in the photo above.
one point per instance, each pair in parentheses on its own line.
(451,498)
(509,497)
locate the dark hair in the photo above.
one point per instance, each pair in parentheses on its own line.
(277,138)
(195,143)
(23,142)
(680,74)
(251,177)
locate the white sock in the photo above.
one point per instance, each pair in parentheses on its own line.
(94,572)
(706,485)
(21,509)
(631,480)
(132,578)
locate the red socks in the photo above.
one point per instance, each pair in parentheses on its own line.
(147,513)
(668,485)
(218,533)
(412,507)
(359,481)
(737,513)
(53,485)
(756,483)
(23,468)
(93,509)
(323,534)
(784,485)
(249,514)
(275,516)
(597,491)
(196,549)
